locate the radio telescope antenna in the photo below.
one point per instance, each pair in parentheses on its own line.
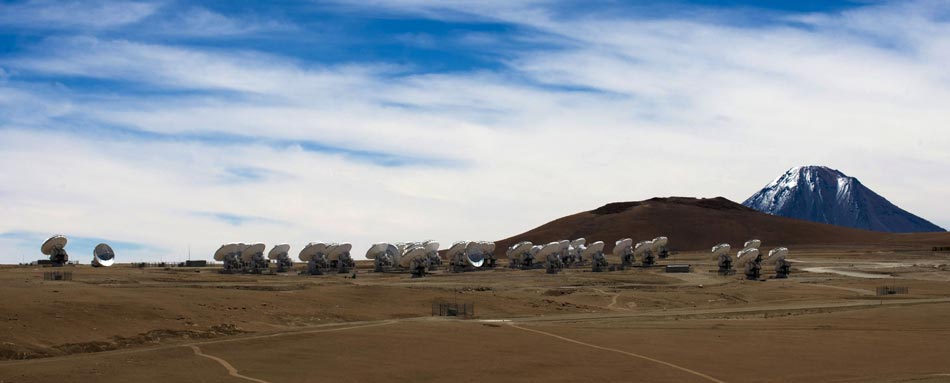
(752,244)
(551,254)
(575,251)
(474,255)
(383,255)
(573,254)
(222,252)
(315,254)
(230,254)
(281,255)
(339,256)
(782,266)
(102,256)
(520,256)
(623,249)
(253,258)
(416,260)
(565,252)
(659,247)
(236,261)
(455,256)
(404,248)
(394,253)
(482,253)
(644,249)
(468,256)
(595,254)
(724,260)
(751,259)
(536,262)
(55,248)
(432,251)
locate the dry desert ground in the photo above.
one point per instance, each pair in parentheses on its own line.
(824,324)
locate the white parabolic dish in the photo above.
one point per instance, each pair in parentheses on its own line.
(622,245)
(456,249)
(224,250)
(720,249)
(474,256)
(642,246)
(416,253)
(578,242)
(337,250)
(778,253)
(393,251)
(312,249)
(376,249)
(747,255)
(594,248)
(565,244)
(535,250)
(255,248)
(520,248)
(659,242)
(549,249)
(486,248)
(103,255)
(275,253)
(56,241)
(476,260)
(471,246)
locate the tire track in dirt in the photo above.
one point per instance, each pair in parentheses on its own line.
(751,310)
(644,357)
(127,351)
(227,366)
(613,300)
(288,333)
(863,292)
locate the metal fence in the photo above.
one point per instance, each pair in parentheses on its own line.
(892,290)
(466,310)
(941,248)
(57,275)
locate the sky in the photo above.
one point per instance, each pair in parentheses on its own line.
(170,127)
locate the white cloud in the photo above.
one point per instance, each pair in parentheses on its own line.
(615,109)
(202,22)
(44,14)
(136,18)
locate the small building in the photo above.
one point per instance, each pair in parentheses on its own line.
(678,268)
(196,263)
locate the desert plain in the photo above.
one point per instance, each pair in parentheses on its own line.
(826,323)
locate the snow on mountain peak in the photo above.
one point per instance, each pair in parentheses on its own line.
(822,194)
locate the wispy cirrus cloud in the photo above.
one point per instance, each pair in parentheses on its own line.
(59,15)
(147,19)
(127,136)
(203,22)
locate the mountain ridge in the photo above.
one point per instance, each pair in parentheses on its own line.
(825,195)
(698,224)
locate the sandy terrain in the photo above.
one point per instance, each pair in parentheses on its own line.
(126,324)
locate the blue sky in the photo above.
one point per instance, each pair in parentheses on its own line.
(161,125)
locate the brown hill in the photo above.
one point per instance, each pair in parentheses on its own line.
(700,223)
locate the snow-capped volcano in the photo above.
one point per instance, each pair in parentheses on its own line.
(821,194)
